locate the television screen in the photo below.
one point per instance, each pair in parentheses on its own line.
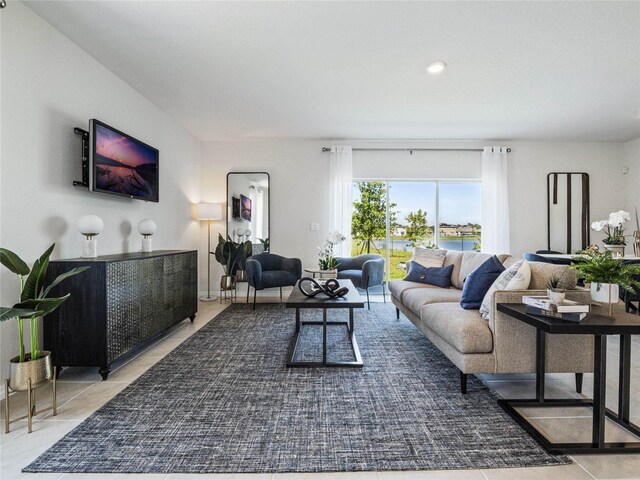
(122,165)
(245,203)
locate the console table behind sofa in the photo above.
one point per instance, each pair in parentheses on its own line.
(120,302)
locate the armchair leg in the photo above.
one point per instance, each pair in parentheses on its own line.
(280,293)
(248,288)
(397,313)
(255,291)
(463,383)
(368,304)
(384,296)
(579,377)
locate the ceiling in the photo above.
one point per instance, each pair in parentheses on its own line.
(332,70)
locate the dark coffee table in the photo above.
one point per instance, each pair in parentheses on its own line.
(351,300)
(600,325)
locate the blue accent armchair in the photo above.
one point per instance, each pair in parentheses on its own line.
(268,270)
(365,271)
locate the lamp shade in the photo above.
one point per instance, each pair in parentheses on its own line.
(90,225)
(147,227)
(208,211)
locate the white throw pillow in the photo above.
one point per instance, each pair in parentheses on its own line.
(516,277)
(428,257)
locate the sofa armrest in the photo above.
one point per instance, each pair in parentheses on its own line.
(373,272)
(254,273)
(348,263)
(514,342)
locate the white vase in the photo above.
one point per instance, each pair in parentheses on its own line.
(555,297)
(605,292)
(616,250)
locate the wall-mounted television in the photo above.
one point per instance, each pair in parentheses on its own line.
(245,207)
(121,165)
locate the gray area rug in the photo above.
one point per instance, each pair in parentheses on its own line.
(223,402)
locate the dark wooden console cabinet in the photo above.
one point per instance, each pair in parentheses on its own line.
(119,303)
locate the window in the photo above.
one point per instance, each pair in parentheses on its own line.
(393,217)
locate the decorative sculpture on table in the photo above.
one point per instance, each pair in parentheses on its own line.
(331,288)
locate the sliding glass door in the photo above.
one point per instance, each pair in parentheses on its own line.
(393,217)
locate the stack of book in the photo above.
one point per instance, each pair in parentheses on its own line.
(544,307)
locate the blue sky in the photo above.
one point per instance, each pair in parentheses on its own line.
(460,203)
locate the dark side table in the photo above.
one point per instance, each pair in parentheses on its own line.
(600,326)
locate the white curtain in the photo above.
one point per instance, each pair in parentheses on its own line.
(340,202)
(495,201)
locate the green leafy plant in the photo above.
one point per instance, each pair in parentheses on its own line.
(226,254)
(34,299)
(244,251)
(596,267)
(266,244)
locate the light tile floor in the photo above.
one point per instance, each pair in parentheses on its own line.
(81,392)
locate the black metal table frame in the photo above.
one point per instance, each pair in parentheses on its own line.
(358,363)
(600,411)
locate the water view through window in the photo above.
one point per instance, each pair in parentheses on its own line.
(393,217)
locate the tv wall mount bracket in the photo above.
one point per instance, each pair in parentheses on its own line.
(85,158)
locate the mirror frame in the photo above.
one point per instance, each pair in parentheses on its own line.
(268,199)
(552,198)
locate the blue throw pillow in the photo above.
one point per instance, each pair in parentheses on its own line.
(478,283)
(440,277)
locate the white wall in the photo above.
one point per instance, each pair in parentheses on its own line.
(632,161)
(299,177)
(48,86)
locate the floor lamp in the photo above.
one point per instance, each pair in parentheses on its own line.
(208,212)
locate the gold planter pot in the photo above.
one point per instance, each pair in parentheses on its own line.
(39,371)
(227,282)
(241,275)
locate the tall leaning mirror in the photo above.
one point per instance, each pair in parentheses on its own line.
(248,208)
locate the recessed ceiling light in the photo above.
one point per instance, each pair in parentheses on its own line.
(436,67)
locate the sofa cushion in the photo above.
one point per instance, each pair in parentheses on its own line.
(354,275)
(440,277)
(465,330)
(516,277)
(479,281)
(398,287)
(471,261)
(429,257)
(454,257)
(415,298)
(541,272)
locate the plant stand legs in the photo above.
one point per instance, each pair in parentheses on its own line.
(31,403)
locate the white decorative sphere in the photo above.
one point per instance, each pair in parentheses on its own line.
(147,227)
(90,225)
(247,232)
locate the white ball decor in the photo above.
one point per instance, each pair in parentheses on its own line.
(90,226)
(146,228)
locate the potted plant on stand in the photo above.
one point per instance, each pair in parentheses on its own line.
(606,275)
(243,252)
(614,230)
(31,370)
(226,253)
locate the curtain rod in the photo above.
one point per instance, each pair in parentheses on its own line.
(411,150)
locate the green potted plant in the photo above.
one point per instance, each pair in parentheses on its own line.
(555,293)
(243,250)
(613,228)
(226,254)
(606,275)
(34,303)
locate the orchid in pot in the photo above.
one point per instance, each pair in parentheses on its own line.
(35,302)
(326,259)
(613,228)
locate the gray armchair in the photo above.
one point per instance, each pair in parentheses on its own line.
(268,270)
(365,271)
